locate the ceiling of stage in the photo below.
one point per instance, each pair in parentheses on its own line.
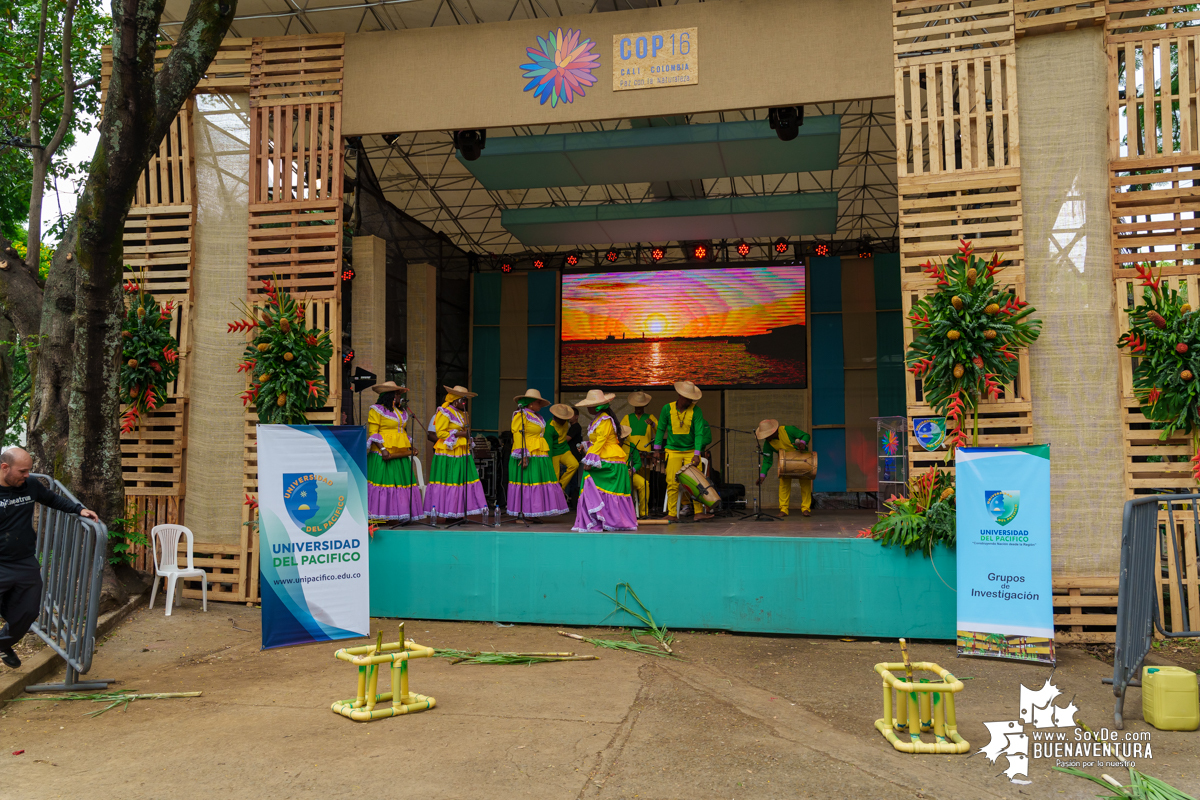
(420,175)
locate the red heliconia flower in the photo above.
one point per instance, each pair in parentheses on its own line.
(994,265)
(1153,396)
(1146,273)
(249,395)
(865,533)
(129,419)
(966,248)
(311,340)
(241,325)
(246,366)
(990,386)
(250,501)
(130,287)
(313,387)
(1196,467)
(151,400)
(918,318)
(170,355)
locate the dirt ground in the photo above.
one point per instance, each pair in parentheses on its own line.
(736,717)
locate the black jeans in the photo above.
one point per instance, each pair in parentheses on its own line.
(20,596)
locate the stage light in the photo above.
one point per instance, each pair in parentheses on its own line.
(390,138)
(864,248)
(821,249)
(700,252)
(346,359)
(612,255)
(571,259)
(470,143)
(786,121)
(539,263)
(506,265)
(781,245)
(347,273)
(657,254)
(743,249)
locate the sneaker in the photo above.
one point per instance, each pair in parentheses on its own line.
(9,657)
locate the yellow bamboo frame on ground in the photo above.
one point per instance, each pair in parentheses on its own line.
(921,711)
(368,659)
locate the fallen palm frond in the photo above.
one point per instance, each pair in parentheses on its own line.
(616,644)
(494,657)
(659,632)
(113,699)
(1142,787)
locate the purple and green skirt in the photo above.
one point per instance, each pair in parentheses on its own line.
(605,499)
(454,488)
(533,490)
(392,490)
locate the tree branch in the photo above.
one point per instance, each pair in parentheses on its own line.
(68,82)
(204,28)
(38,189)
(19,290)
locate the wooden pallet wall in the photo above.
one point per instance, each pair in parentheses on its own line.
(958,171)
(1154,149)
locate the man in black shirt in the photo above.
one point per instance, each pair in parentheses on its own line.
(20,573)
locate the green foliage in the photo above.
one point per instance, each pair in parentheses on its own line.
(149,354)
(45,255)
(966,335)
(1164,337)
(21,385)
(284,359)
(123,536)
(91,29)
(923,519)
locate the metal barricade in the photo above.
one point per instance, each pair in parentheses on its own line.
(1141,568)
(71,551)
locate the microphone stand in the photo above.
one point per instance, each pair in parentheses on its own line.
(759,514)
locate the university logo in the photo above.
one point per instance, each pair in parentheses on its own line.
(930,432)
(314,501)
(1002,505)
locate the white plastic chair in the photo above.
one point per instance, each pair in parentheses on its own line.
(166,562)
(678,494)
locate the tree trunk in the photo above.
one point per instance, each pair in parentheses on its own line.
(7,334)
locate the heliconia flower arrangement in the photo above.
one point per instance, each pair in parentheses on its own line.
(1164,337)
(149,354)
(923,519)
(284,360)
(966,336)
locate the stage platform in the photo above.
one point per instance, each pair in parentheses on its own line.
(834,524)
(799,576)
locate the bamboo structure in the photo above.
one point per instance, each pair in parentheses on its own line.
(925,707)
(369,660)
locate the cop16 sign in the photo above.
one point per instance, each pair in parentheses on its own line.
(655,59)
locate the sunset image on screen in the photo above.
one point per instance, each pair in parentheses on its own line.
(721,327)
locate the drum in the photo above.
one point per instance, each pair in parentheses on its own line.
(692,479)
(798,464)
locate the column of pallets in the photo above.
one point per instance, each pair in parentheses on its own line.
(958,171)
(1154,102)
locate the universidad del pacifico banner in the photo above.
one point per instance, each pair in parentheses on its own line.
(1005,604)
(312,533)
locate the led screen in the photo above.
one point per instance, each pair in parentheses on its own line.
(718,327)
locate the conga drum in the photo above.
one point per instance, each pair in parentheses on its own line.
(798,464)
(692,479)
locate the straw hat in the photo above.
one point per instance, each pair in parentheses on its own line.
(388,386)
(766,429)
(639,399)
(562,411)
(535,396)
(459,391)
(626,431)
(688,389)
(595,397)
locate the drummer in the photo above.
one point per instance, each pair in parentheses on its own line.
(557,436)
(784,439)
(633,457)
(684,433)
(642,424)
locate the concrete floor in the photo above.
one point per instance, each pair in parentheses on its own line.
(738,717)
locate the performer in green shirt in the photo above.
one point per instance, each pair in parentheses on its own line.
(684,433)
(564,461)
(784,439)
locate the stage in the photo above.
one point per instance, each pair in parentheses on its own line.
(799,576)
(831,524)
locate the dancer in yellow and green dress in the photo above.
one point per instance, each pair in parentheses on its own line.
(605,503)
(392,491)
(558,438)
(684,433)
(454,489)
(533,488)
(784,439)
(634,458)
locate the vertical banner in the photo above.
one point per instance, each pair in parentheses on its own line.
(1005,607)
(312,533)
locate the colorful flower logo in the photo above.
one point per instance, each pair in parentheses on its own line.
(890,443)
(562,66)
